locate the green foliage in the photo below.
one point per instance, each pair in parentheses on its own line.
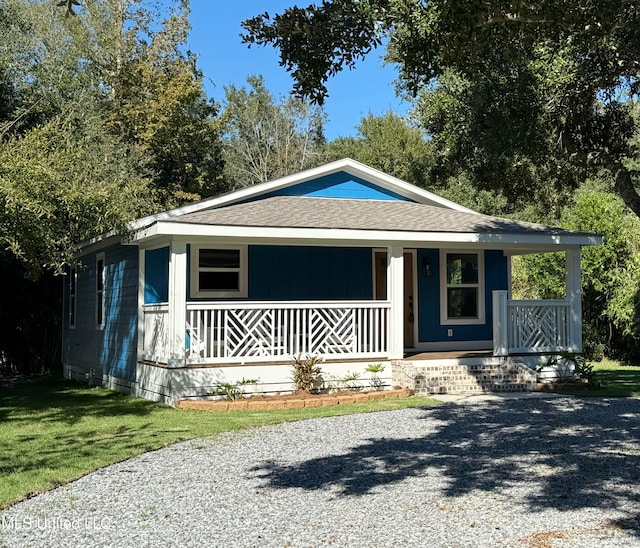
(576,367)
(349,381)
(264,140)
(375,369)
(526,98)
(461,190)
(389,144)
(158,105)
(307,374)
(62,183)
(487,132)
(317,42)
(610,273)
(233,391)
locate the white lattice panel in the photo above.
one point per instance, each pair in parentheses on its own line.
(156,334)
(538,326)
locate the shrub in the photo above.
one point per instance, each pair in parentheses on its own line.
(232,391)
(307,374)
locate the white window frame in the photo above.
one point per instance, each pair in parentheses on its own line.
(73,297)
(195,270)
(100,292)
(444,319)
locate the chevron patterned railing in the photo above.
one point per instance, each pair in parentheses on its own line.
(538,326)
(269,331)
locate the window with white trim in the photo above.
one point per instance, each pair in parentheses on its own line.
(462,288)
(218,271)
(73,293)
(100,274)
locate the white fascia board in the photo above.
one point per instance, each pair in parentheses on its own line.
(250,234)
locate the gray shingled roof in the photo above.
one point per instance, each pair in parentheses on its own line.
(307,212)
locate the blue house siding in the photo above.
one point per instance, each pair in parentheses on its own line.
(309,273)
(429,327)
(288,273)
(112,349)
(156,275)
(338,185)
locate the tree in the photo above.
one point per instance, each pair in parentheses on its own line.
(62,183)
(264,140)
(573,63)
(610,272)
(389,144)
(158,105)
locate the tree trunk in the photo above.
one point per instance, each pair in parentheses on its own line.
(627,191)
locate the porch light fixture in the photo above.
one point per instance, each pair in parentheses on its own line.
(426,266)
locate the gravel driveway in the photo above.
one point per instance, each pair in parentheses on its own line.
(524,472)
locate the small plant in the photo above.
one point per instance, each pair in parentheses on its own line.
(337,384)
(350,381)
(375,382)
(232,391)
(307,375)
(575,367)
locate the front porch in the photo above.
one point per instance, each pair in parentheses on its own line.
(242,332)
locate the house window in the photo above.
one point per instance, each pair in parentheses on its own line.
(218,271)
(100,271)
(73,291)
(462,288)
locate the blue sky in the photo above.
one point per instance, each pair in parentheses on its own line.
(225,60)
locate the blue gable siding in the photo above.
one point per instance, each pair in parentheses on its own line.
(429,327)
(111,350)
(338,185)
(156,275)
(290,273)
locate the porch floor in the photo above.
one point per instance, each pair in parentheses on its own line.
(449,355)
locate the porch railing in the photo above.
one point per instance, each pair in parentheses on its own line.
(264,331)
(155,344)
(521,327)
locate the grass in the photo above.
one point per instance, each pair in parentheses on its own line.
(54,431)
(615,379)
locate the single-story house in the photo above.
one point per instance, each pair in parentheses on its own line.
(340,261)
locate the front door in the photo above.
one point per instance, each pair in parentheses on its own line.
(380,286)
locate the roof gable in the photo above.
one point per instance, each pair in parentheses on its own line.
(343,176)
(339,185)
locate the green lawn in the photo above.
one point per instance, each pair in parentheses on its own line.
(616,379)
(54,431)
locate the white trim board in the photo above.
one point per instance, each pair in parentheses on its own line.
(374,238)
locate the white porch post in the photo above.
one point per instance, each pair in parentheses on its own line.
(574,296)
(500,323)
(177,313)
(141,284)
(395,294)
